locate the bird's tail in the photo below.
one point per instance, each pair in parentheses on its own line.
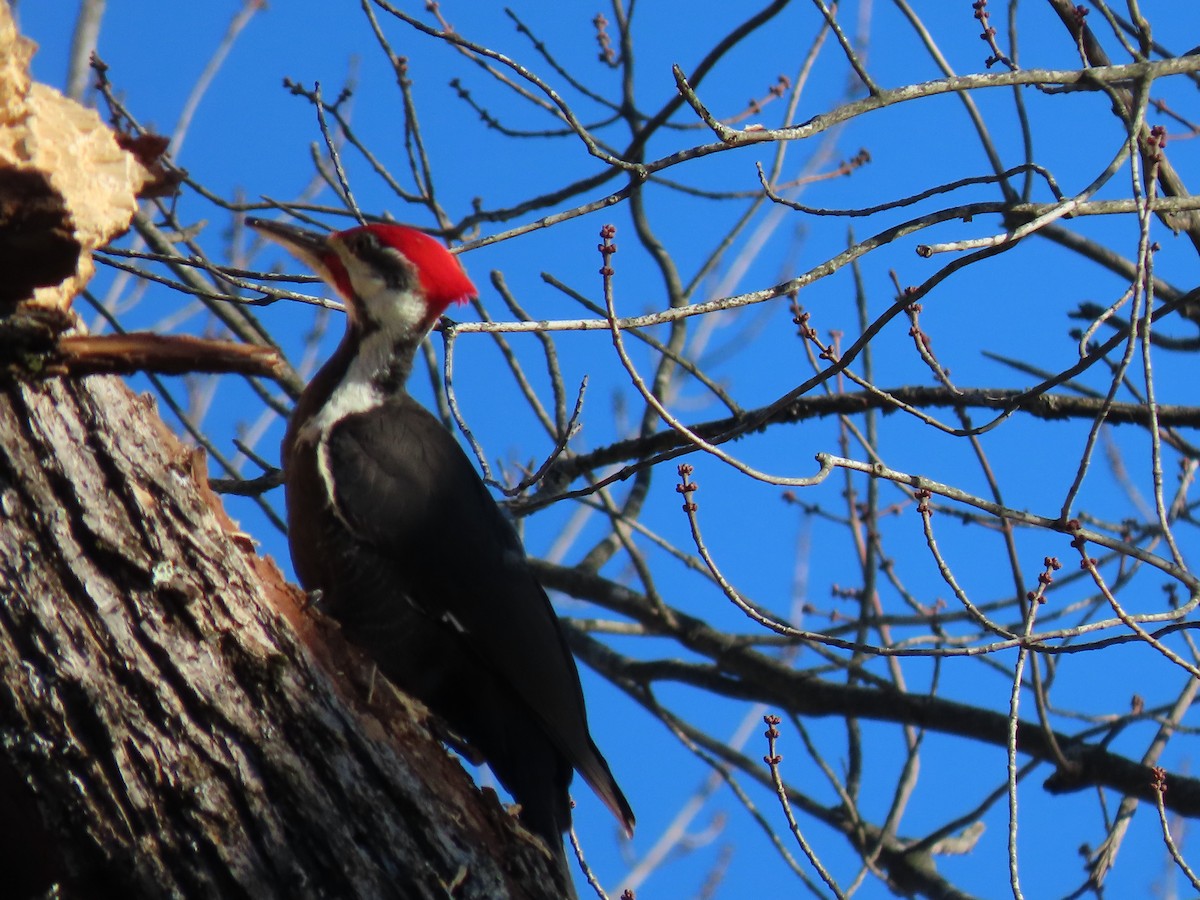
(596,773)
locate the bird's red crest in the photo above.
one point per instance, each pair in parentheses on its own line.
(442,276)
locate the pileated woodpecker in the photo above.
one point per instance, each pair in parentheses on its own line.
(389,521)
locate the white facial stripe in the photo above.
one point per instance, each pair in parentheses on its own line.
(357,392)
(392,319)
(398,313)
(350,397)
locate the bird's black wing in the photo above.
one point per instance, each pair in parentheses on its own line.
(404,486)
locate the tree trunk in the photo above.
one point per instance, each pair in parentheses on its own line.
(172,721)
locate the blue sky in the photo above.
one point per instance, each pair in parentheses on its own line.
(250,135)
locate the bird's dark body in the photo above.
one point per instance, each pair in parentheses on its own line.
(419,565)
(389,521)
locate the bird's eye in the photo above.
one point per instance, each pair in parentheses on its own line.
(379,259)
(364,243)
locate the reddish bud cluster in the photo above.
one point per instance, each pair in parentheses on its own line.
(687,488)
(607,53)
(923,496)
(1158,779)
(772,735)
(805,330)
(1045,579)
(774,92)
(1156,143)
(857,161)
(981,13)
(607,249)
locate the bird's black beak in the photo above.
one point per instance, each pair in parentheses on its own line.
(307,246)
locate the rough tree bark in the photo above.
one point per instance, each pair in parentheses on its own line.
(173,722)
(161,705)
(160,702)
